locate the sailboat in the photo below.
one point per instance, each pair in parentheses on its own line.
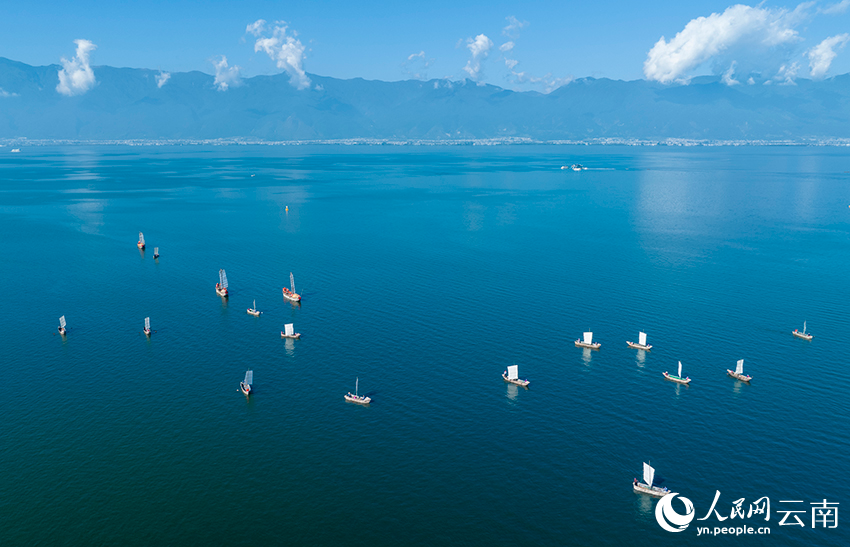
(356,397)
(141,243)
(156,252)
(646,487)
(148,326)
(804,335)
(290,294)
(511,376)
(739,372)
(289,332)
(221,286)
(254,311)
(641,342)
(245,386)
(678,378)
(587,342)
(62,325)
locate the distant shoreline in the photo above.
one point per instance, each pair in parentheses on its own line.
(18,142)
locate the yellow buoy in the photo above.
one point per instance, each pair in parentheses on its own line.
(287,208)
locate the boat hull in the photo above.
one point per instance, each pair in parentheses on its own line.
(221,292)
(147,332)
(742,377)
(62,331)
(595,345)
(358,400)
(676,379)
(638,346)
(245,389)
(292,297)
(255,313)
(802,335)
(295,336)
(518,381)
(654,491)
(140,245)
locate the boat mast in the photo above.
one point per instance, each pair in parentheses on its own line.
(356,386)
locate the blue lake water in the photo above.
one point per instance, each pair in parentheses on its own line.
(425,272)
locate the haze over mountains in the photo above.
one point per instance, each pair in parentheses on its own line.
(128,103)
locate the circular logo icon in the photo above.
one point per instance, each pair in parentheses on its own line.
(668,518)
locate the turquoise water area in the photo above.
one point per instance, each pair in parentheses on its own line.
(425,271)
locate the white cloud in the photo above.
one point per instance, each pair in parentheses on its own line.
(161,78)
(742,33)
(547,83)
(821,56)
(226,76)
(446,82)
(837,8)
(786,74)
(479,48)
(76,76)
(257,27)
(727,76)
(514,26)
(4,93)
(286,50)
(416,65)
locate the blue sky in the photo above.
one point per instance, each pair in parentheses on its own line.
(551,41)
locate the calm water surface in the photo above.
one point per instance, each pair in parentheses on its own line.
(425,271)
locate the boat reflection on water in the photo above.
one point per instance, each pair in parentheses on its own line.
(645,504)
(512,391)
(586,354)
(289,346)
(640,358)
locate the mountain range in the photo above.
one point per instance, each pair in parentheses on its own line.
(127,103)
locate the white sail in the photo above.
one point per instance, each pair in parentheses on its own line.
(62,321)
(648,474)
(147,323)
(291,282)
(289,329)
(222,277)
(642,339)
(680,370)
(141,238)
(356,386)
(249,377)
(739,368)
(804,327)
(156,250)
(588,337)
(512,372)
